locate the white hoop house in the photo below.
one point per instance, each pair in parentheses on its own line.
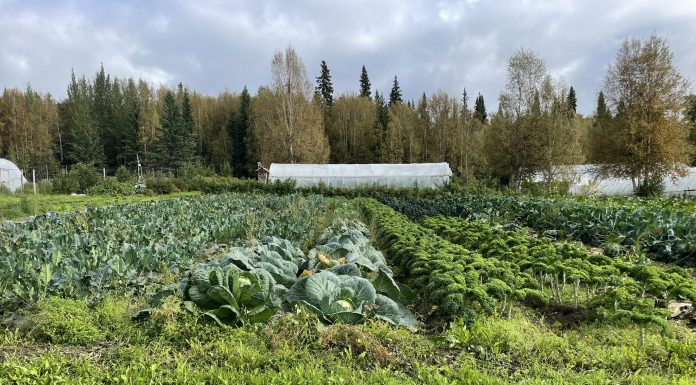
(585,181)
(10,176)
(429,175)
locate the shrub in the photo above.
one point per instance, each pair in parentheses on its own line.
(123,174)
(161,185)
(78,180)
(64,184)
(85,175)
(651,186)
(112,187)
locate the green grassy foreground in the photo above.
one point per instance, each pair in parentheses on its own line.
(65,341)
(18,206)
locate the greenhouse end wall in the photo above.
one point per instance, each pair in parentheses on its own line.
(11,177)
(426,175)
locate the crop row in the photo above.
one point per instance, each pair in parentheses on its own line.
(666,234)
(459,282)
(463,282)
(123,247)
(342,279)
(561,265)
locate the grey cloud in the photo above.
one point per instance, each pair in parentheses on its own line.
(446,45)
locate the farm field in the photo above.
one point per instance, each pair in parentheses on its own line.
(307,289)
(18,206)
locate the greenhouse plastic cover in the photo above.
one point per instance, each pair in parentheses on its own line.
(10,175)
(586,181)
(354,175)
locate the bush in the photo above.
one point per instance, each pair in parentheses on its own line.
(192,183)
(85,175)
(161,185)
(112,187)
(64,184)
(651,186)
(123,174)
(78,180)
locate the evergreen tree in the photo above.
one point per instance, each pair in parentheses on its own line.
(83,142)
(103,113)
(238,129)
(130,118)
(480,109)
(600,138)
(424,125)
(365,90)
(691,118)
(572,100)
(190,149)
(169,148)
(324,85)
(602,109)
(381,124)
(395,95)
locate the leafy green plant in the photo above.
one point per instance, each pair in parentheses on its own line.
(231,296)
(346,299)
(250,283)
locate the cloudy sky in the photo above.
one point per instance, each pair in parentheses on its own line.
(430,45)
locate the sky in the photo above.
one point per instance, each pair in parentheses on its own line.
(214,45)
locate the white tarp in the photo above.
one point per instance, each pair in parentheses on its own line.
(10,176)
(584,181)
(354,175)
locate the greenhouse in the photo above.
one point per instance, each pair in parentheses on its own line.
(428,175)
(11,177)
(586,182)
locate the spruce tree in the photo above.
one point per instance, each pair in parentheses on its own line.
(381,124)
(395,95)
(103,114)
(83,142)
(365,90)
(324,85)
(130,118)
(691,117)
(602,110)
(190,149)
(572,100)
(168,149)
(480,109)
(238,129)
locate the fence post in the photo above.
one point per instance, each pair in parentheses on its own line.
(33,179)
(21,181)
(104,172)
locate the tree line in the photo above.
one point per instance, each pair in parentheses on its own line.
(644,125)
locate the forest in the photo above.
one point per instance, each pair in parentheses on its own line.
(641,129)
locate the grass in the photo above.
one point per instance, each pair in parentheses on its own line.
(18,206)
(67,341)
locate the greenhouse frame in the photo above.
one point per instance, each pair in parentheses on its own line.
(427,175)
(11,177)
